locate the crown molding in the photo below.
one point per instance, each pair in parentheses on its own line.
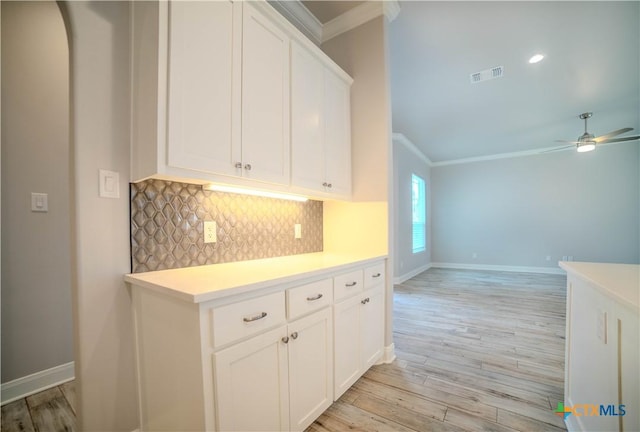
(298,14)
(401,139)
(358,16)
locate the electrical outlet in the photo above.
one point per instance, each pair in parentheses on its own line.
(210,235)
(297,230)
(548,258)
(474,255)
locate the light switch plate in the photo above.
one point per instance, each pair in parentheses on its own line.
(109,184)
(39,202)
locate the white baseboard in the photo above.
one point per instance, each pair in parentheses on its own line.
(520,269)
(37,382)
(412,273)
(389,354)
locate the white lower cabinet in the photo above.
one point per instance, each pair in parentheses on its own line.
(359,324)
(279,380)
(269,360)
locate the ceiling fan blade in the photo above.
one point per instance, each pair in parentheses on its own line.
(558,148)
(614,140)
(605,137)
(568,142)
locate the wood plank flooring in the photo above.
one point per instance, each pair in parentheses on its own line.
(53,410)
(476,351)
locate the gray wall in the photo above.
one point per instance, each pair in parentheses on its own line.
(518,211)
(405,163)
(104,354)
(36,267)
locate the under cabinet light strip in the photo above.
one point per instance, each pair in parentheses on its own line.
(243,191)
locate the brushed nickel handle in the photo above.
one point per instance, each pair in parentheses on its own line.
(376,275)
(317,297)
(294,335)
(238,165)
(351,284)
(365,301)
(325,184)
(329,185)
(285,339)
(247,167)
(255,317)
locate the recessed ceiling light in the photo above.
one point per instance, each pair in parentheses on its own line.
(536,58)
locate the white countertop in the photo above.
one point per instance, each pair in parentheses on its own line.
(619,281)
(209,282)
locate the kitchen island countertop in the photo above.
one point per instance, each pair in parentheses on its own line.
(618,281)
(209,282)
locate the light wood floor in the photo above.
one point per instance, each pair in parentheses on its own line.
(53,410)
(477,351)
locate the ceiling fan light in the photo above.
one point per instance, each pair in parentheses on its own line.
(536,58)
(586,147)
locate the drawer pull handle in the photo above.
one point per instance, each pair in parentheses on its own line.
(317,297)
(376,275)
(247,167)
(285,339)
(294,335)
(255,318)
(351,284)
(365,301)
(238,165)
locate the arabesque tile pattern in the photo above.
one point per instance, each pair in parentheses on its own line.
(167,226)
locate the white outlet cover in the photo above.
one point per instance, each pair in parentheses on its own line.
(210,235)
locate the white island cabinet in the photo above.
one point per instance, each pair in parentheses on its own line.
(602,363)
(253,345)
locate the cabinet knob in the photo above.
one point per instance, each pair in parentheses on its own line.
(238,165)
(294,335)
(325,184)
(330,185)
(247,167)
(285,339)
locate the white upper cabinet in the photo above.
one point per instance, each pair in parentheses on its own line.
(265,98)
(320,125)
(203,86)
(217,97)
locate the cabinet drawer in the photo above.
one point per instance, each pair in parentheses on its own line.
(374,275)
(347,284)
(246,318)
(308,298)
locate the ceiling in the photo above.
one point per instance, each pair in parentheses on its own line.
(592,63)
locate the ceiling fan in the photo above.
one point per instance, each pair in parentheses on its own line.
(587,142)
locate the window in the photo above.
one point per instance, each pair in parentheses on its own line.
(418,214)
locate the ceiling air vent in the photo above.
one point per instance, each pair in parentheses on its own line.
(487,74)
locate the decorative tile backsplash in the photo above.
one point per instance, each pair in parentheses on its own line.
(167,226)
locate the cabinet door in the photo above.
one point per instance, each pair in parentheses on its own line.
(252,388)
(310,368)
(372,326)
(346,324)
(307,120)
(265,99)
(203,86)
(337,133)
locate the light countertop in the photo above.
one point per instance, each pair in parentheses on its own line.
(208,282)
(619,281)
